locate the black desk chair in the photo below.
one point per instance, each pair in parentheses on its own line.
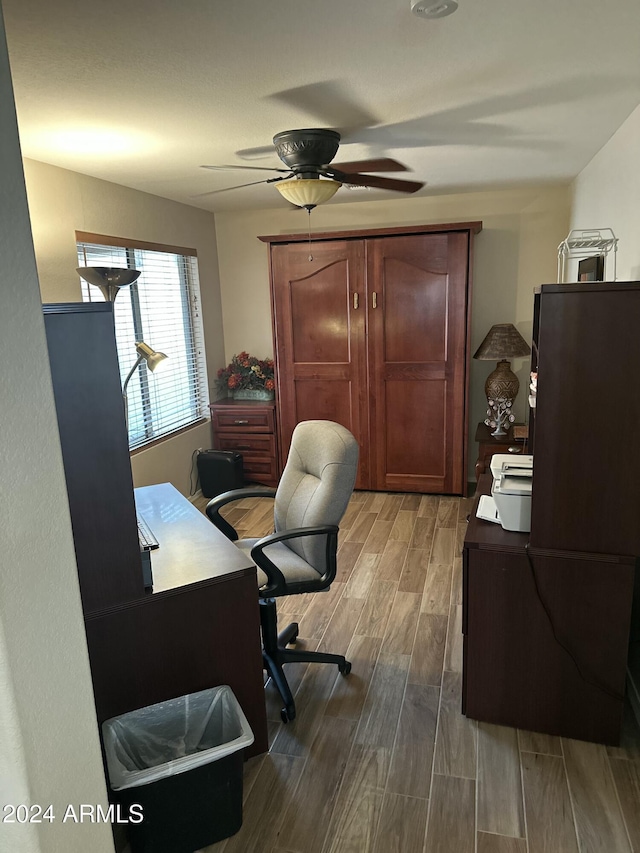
(300,556)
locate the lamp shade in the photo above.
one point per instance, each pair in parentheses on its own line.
(502,341)
(154,359)
(307,192)
(108,279)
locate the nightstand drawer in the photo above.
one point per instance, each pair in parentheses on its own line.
(243,420)
(260,470)
(249,444)
(258,454)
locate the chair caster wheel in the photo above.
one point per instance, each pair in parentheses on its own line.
(345,668)
(287,715)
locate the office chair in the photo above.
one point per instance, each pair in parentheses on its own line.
(301,555)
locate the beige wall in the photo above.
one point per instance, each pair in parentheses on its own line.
(63,202)
(49,747)
(515,252)
(606,194)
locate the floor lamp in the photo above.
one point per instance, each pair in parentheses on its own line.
(108,279)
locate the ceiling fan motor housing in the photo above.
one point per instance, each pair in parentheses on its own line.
(306,151)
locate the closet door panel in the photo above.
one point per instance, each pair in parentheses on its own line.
(322,296)
(411,295)
(325,400)
(319,323)
(423,452)
(417,339)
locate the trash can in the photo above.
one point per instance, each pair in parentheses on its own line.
(180,763)
(220,471)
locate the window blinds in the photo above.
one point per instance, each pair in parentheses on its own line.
(162,308)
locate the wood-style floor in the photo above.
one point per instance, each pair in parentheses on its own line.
(382,761)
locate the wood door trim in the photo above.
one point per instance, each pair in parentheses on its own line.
(473,227)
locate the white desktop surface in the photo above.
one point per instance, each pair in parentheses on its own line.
(192,549)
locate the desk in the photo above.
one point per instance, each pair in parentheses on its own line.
(515,671)
(198,628)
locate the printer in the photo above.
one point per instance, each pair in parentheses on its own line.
(510,492)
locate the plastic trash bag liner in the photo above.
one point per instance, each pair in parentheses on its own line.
(172,737)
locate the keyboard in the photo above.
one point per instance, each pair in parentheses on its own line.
(148,541)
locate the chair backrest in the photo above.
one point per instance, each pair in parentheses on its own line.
(316,484)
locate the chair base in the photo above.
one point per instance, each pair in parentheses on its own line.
(275,654)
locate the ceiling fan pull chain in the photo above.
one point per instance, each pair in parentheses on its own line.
(310,255)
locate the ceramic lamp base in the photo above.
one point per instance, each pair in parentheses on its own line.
(501,389)
(502,384)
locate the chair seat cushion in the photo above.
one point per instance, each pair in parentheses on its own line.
(293,567)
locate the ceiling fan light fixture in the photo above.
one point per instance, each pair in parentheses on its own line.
(307,192)
(433,8)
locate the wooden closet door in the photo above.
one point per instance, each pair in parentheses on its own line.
(417,353)
(319,310)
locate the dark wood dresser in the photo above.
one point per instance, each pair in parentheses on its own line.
(248,427)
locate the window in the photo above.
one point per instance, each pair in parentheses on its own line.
(162,308)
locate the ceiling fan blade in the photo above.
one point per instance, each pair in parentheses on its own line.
(381,183)
(245,168)
(239,186)
(383,164)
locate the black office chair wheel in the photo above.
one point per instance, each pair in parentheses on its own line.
(345,668)
(288,715)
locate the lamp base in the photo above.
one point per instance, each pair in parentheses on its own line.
(502,383)
(499,416)
(501,388)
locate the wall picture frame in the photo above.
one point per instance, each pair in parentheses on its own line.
(591,269)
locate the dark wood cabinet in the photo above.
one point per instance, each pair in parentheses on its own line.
(587,416)
(548,616)
(248,427)
(200,625)
(373,332)
(95,451)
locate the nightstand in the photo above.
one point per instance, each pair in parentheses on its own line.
(488,445)
(248,427)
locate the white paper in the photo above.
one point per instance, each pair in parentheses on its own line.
(487,509)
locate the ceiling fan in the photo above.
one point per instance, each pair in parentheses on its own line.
(309,179)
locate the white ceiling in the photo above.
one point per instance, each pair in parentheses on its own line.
(143,92)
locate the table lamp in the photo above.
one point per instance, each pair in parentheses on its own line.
(503,341)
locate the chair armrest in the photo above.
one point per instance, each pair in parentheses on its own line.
(277,584)
(215,505)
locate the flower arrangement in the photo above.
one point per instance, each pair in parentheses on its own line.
(246,372)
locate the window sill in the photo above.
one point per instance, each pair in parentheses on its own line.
(161,439)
